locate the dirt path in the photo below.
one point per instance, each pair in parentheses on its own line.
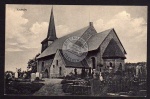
(52,87)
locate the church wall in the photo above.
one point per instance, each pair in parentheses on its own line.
(69,70)
(55,66)
(115,63)
(103,47)
(89,56)
(54,70)
(47,63)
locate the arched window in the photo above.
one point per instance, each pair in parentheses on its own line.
(42,66)
(46,73)
(100,70)
(120,67)
(93,62)
(53,66)
(110,64)
(60,70)
(56,62)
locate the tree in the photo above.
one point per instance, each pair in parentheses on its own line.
(32,64)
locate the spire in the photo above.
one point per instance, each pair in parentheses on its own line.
(51,36)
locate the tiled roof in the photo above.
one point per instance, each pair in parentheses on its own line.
(96,40)
(113,50)
(58,43)
(93,42)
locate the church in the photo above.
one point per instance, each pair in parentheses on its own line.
(105,52)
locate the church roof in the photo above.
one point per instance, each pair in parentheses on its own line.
(58,43)
(113,50)
(93,42)
(51,35)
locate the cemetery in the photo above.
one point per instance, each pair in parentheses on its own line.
(129,83)
(22,83)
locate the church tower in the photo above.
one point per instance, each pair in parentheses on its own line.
(51,35)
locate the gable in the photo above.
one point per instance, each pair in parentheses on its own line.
(111,35)
(58,58)
(113,51)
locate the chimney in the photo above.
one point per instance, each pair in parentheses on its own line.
(91,23)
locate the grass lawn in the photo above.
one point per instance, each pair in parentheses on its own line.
(22,88)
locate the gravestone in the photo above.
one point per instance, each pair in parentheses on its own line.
(37,74)
(40,76)
(33,76)
(16,75)
(24,75)
(101,77)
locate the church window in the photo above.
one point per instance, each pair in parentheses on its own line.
(53,66)
(120,67)
(100,70)
(60,70)
(42,66)
(93,62)
(110,64)
(56,62)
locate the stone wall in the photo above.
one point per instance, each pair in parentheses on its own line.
(115,63)
(57,68)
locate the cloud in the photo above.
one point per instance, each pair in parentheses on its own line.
(11,43)
(131,31)
(62,30)
(15,28)
(14,23)
(13,49)
(39,28)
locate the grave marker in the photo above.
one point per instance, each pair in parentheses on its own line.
(33,76)
(16,75)
(40,76)
(37,74)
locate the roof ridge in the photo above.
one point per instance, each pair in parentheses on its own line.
(106,30)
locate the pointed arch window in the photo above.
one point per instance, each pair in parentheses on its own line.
(56,62)
(110,64)
(93,62)
(42,66)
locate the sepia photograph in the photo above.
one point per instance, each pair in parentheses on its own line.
(75,50)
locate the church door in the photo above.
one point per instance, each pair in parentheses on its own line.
(46,73)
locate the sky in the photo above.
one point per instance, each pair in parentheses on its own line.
(25,29)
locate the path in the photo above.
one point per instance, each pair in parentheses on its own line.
(52,87)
